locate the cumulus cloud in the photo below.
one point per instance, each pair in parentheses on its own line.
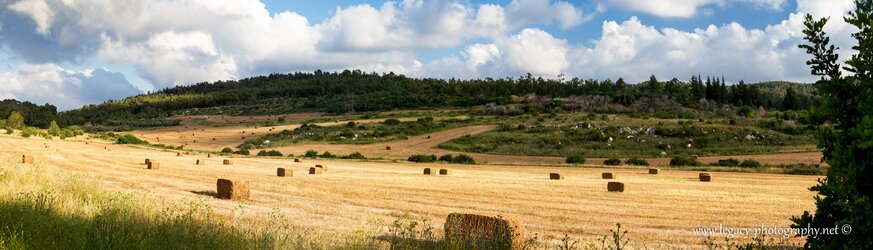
(66,89)
(686,8)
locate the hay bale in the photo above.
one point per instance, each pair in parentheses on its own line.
(213,138)
(153,165)
(607,175)
(444,171)
(321,167)
(297,160)
(315,170)
(208,155)
(654,171)
(282,172)
(556,176)
(427,171)
(479,231)
(200,162)
(233,190)
(428,137)
(705,177)
(27,159)
(243,137)
(615,186)
(388,148)
(147,160)
(227,162)
(178,153)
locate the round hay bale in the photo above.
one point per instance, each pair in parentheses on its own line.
(27,159)
(243,137)
(297,160)
(282,172)
(388,148)
(227,162)
(444,171)
(200,162)
(705,177)
(213,138)
(556,176)
(208,155)
(315,170)
(232,190)
(321,167)
(607,175)
(615,186)
(428,171)
(654,171)
(153,165)
(428,137)
(178,153)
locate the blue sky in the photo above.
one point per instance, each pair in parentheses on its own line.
(72,53)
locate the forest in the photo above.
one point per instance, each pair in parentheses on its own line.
(357,91)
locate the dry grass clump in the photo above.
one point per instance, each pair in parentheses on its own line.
(705,177)
(615,186)
(484,232)
(607,175)
(232,190)
(556,176)
(654,171)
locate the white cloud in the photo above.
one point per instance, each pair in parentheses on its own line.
(523,12)
(67,89)
(687,8)
(535,51)
(37,10)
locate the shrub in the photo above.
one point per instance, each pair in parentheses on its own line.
(422,158)
(327,155)
(636,162)
(246,146)
(464,159)
(128,139)
(54,129)
(311,153)
(749,163)
(9,131)
(281,119)
(575,159)
(612,162)
(356,155)
(683,161)
(447,158)
(392,121)
(269,153)
(227,150)
(242,152)
(727,163)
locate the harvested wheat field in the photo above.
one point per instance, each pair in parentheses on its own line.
(657,210)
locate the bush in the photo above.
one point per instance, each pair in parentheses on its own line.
(242,152)
(356,155)
(727,163)
(636,162)
(269,153)
(447,158)
(575,159)
(750,164)
(247,146)
(612,162)
(327,155)
(311,153)
(464,159)
(422,158)
(392,122)
(9,131)
(227,150)
(683,161)
(129,139)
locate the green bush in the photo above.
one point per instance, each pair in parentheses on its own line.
(683,161)
(447,158)
(612,162)
(422,158)
(327,155)
(242,152)
(311,153)
(356,155)
(464,159)
(9,131)
(392,122)
(227,150)
(636,162)
(575,159)
(129,139)
(269,153)
(247,146)
(750,164)
(731,162)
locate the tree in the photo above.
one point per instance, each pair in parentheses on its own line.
(790,101)
(15,120)
(844,196)
(54,129)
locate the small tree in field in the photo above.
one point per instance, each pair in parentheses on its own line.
(54,129)
(15,120)
(844,196)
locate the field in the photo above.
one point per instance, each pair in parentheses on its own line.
(657,210)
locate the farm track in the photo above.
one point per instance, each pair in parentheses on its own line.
(658,210)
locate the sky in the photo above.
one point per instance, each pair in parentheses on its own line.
(71,53)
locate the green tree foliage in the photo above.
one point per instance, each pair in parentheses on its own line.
(612,162)
(683,161)
(311,153)
(575,159)
(54,129)
(844,196)
(269,153)
(636,162)
(32,114)
(422,158)
(129,139)
(15,120)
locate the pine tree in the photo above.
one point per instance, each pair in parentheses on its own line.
(54,129)
(15,120)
